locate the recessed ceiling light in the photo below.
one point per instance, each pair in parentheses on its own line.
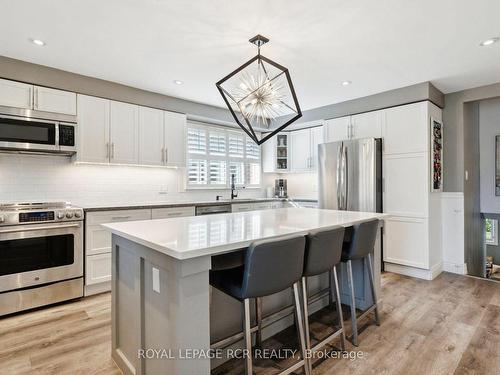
(177,82)
(346,83)
(38,42)
(489,42)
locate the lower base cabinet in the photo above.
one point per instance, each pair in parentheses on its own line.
(97,268)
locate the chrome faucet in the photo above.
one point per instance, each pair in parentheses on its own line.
(234,194)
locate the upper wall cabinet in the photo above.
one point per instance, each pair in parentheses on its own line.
(56,101)
(93,129)
(405,129)
(151,134)
(16,94)
(22,95)
(304,148)
(124,133)
(175,139)
(365,125)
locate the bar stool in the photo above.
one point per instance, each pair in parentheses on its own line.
(270,267)
(322,254)
(360,246)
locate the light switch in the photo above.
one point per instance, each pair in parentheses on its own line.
(156,280)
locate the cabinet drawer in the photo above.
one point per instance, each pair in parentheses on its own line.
(97,240)
(242,207)
(406,241)
(94,218)
(165,213)
(97,268)
(263,206)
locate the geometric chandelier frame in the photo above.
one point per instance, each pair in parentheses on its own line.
(260,96)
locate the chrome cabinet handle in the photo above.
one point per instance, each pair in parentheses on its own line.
(107,150)
(112,150)
(35,98)
(120,217)
(163,155)
(32,229)
(166,154)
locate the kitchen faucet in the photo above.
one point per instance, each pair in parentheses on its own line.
(233,188)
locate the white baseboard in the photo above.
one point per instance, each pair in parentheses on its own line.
(90,290)
(460,269)
(419,273)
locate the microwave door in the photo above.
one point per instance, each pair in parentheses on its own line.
(27,134)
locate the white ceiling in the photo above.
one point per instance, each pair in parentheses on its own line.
(378,45)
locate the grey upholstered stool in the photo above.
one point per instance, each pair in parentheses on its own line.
(270,267)
(361,246)
(323,252)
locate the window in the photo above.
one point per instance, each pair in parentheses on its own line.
(491,232)
(215,153)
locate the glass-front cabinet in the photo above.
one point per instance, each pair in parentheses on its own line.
(282,154)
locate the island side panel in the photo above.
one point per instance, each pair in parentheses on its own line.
(169,321)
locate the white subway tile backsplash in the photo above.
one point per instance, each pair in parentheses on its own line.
(40,178)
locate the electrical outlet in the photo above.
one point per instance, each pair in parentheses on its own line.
(163,190)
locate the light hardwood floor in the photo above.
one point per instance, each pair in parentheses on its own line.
(449,325)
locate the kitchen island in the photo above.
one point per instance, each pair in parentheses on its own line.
(160,289)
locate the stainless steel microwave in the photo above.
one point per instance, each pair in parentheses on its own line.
(27,134)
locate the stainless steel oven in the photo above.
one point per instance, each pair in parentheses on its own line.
(37,135)
(41,255)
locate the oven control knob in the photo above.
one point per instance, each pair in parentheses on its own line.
(78,214)
(60,215)
(69,214)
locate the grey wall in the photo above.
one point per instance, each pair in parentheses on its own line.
(23,71)
(489,127)
(405,95)
(454,125)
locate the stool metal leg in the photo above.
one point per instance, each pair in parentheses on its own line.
(330,284)
(258,318)
(339,308)
(300,324)
(354,321)
(248,336)
(372,285)
(306,321)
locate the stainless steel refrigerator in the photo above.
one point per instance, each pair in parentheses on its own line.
(350,175)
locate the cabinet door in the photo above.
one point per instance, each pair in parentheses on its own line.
(175,139)
(151,136)
(405,129)
(93,128)
(51,100)
(97,268)
(15,94)
(337,129)
(316,139)
(406,241)
(282,152)
(269,155)
(242,207)
(165,213)
(300,150)
(406,184)
(366,125)
(124,133)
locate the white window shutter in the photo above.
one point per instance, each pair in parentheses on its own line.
(197,172)
(217,143)
(252,149)
(196,141)
(236,142)
(217,174)
(252,174)
(236,168)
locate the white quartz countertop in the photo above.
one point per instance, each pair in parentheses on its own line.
(195,236)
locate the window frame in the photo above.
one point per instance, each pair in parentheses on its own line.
(494,233)
(208,158)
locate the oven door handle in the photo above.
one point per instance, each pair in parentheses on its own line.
(48,227)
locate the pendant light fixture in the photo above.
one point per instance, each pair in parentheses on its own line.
(260,96)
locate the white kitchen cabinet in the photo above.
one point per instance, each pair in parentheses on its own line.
(276,154)
(16,94)
(175,135)
(124,133)
(97,269)
(93,129)
(166,213)
(406,241)
(269,155)
(406,129)
(300,153)
(242,207)
(317,137)
(366,125)
(52,100)
(337,129)
(151,136)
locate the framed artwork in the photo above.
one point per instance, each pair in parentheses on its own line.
(436,155)
(497,165)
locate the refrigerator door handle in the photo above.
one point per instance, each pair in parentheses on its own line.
(339,178)
(345,177)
